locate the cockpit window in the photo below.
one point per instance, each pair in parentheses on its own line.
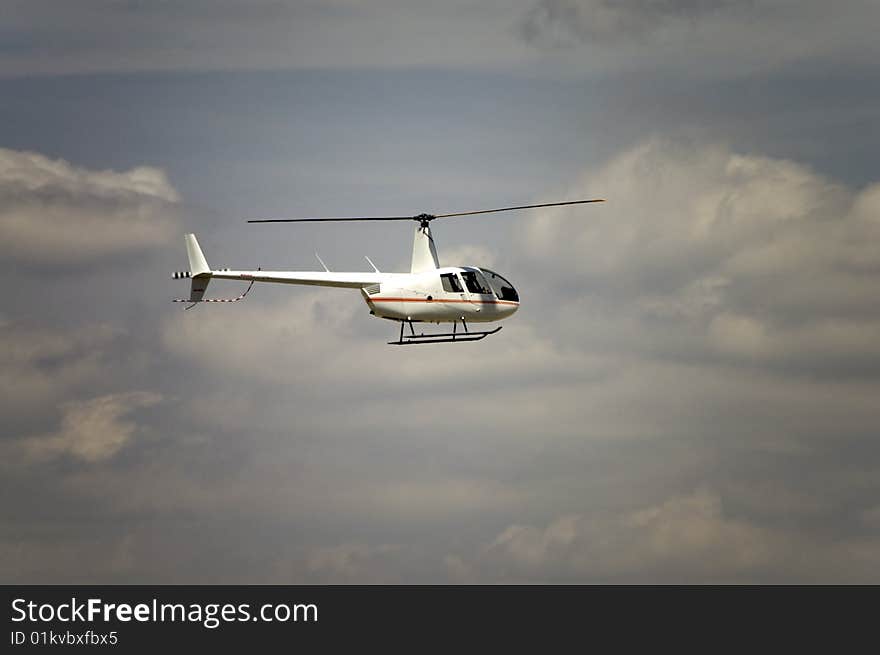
(502,288)
(475,282)
(451,283)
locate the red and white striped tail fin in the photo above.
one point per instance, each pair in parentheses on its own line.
(200,276)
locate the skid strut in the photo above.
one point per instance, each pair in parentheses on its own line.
(442,337)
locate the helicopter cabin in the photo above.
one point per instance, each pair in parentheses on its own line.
(444,295)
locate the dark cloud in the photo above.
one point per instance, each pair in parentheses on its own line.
(564,22)
(684,538)
(660,410)
(55,37)
(42,365)
(708,40)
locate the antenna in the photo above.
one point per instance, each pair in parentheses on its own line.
(322,262)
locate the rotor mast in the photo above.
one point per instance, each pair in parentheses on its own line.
(424,253)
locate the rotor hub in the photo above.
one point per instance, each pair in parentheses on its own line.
(424,219)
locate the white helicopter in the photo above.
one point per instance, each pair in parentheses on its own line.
(429,293)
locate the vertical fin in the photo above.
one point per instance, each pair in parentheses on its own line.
(198,265)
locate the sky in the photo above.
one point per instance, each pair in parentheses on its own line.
(688,393)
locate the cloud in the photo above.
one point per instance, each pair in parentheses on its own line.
(709,39)
(41,364)
(703,253)
(562,22)
(261,35)
(52,554)
(569,39)
(54,214)
(687,394)
(688,537)
(92,430)
(360,563)
(341,338)
(683,536)
(468,255)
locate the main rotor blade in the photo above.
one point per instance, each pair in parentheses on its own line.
(419,217)
(344,218)
(507,209)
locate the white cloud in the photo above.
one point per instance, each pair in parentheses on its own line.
(468,255)
(55,214)
(752,258)
(331,329)
(93,430)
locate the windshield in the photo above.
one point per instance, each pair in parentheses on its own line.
(475,282)
(502,288)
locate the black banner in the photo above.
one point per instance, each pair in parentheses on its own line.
(147,618)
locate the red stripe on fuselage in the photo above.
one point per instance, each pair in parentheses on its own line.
(474,302)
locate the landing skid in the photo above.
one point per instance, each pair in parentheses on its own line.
(442,337)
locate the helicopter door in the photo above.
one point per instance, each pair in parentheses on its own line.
(453,287)
(477,289)
(454,292)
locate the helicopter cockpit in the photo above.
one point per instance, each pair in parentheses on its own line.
(479,281)
(475,282)
(502,288)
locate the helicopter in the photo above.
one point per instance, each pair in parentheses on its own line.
(429,293)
